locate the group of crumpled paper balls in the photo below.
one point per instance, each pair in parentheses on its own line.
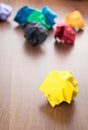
(59,86)
(36,23)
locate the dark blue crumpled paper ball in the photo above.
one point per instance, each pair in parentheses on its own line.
(22,14)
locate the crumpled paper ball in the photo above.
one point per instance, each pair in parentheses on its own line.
(49,14)
(22,14)
(35,33)
(5,11)
(38,17)
(59,86)
(75,20)
(64,33)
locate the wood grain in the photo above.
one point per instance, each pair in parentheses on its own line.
(23,68)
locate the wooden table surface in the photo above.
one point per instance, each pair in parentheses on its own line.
(23,69)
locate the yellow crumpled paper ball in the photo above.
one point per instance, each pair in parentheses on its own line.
(75,20)
(59,86)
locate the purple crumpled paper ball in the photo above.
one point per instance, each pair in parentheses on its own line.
(5,11)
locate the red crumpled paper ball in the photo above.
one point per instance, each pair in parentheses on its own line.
(65,33)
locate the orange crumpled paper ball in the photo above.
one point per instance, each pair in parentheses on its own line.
(75,20)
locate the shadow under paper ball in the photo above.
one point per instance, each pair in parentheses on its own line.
(5,25)
(62,114)
(33,50)
(63,48)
